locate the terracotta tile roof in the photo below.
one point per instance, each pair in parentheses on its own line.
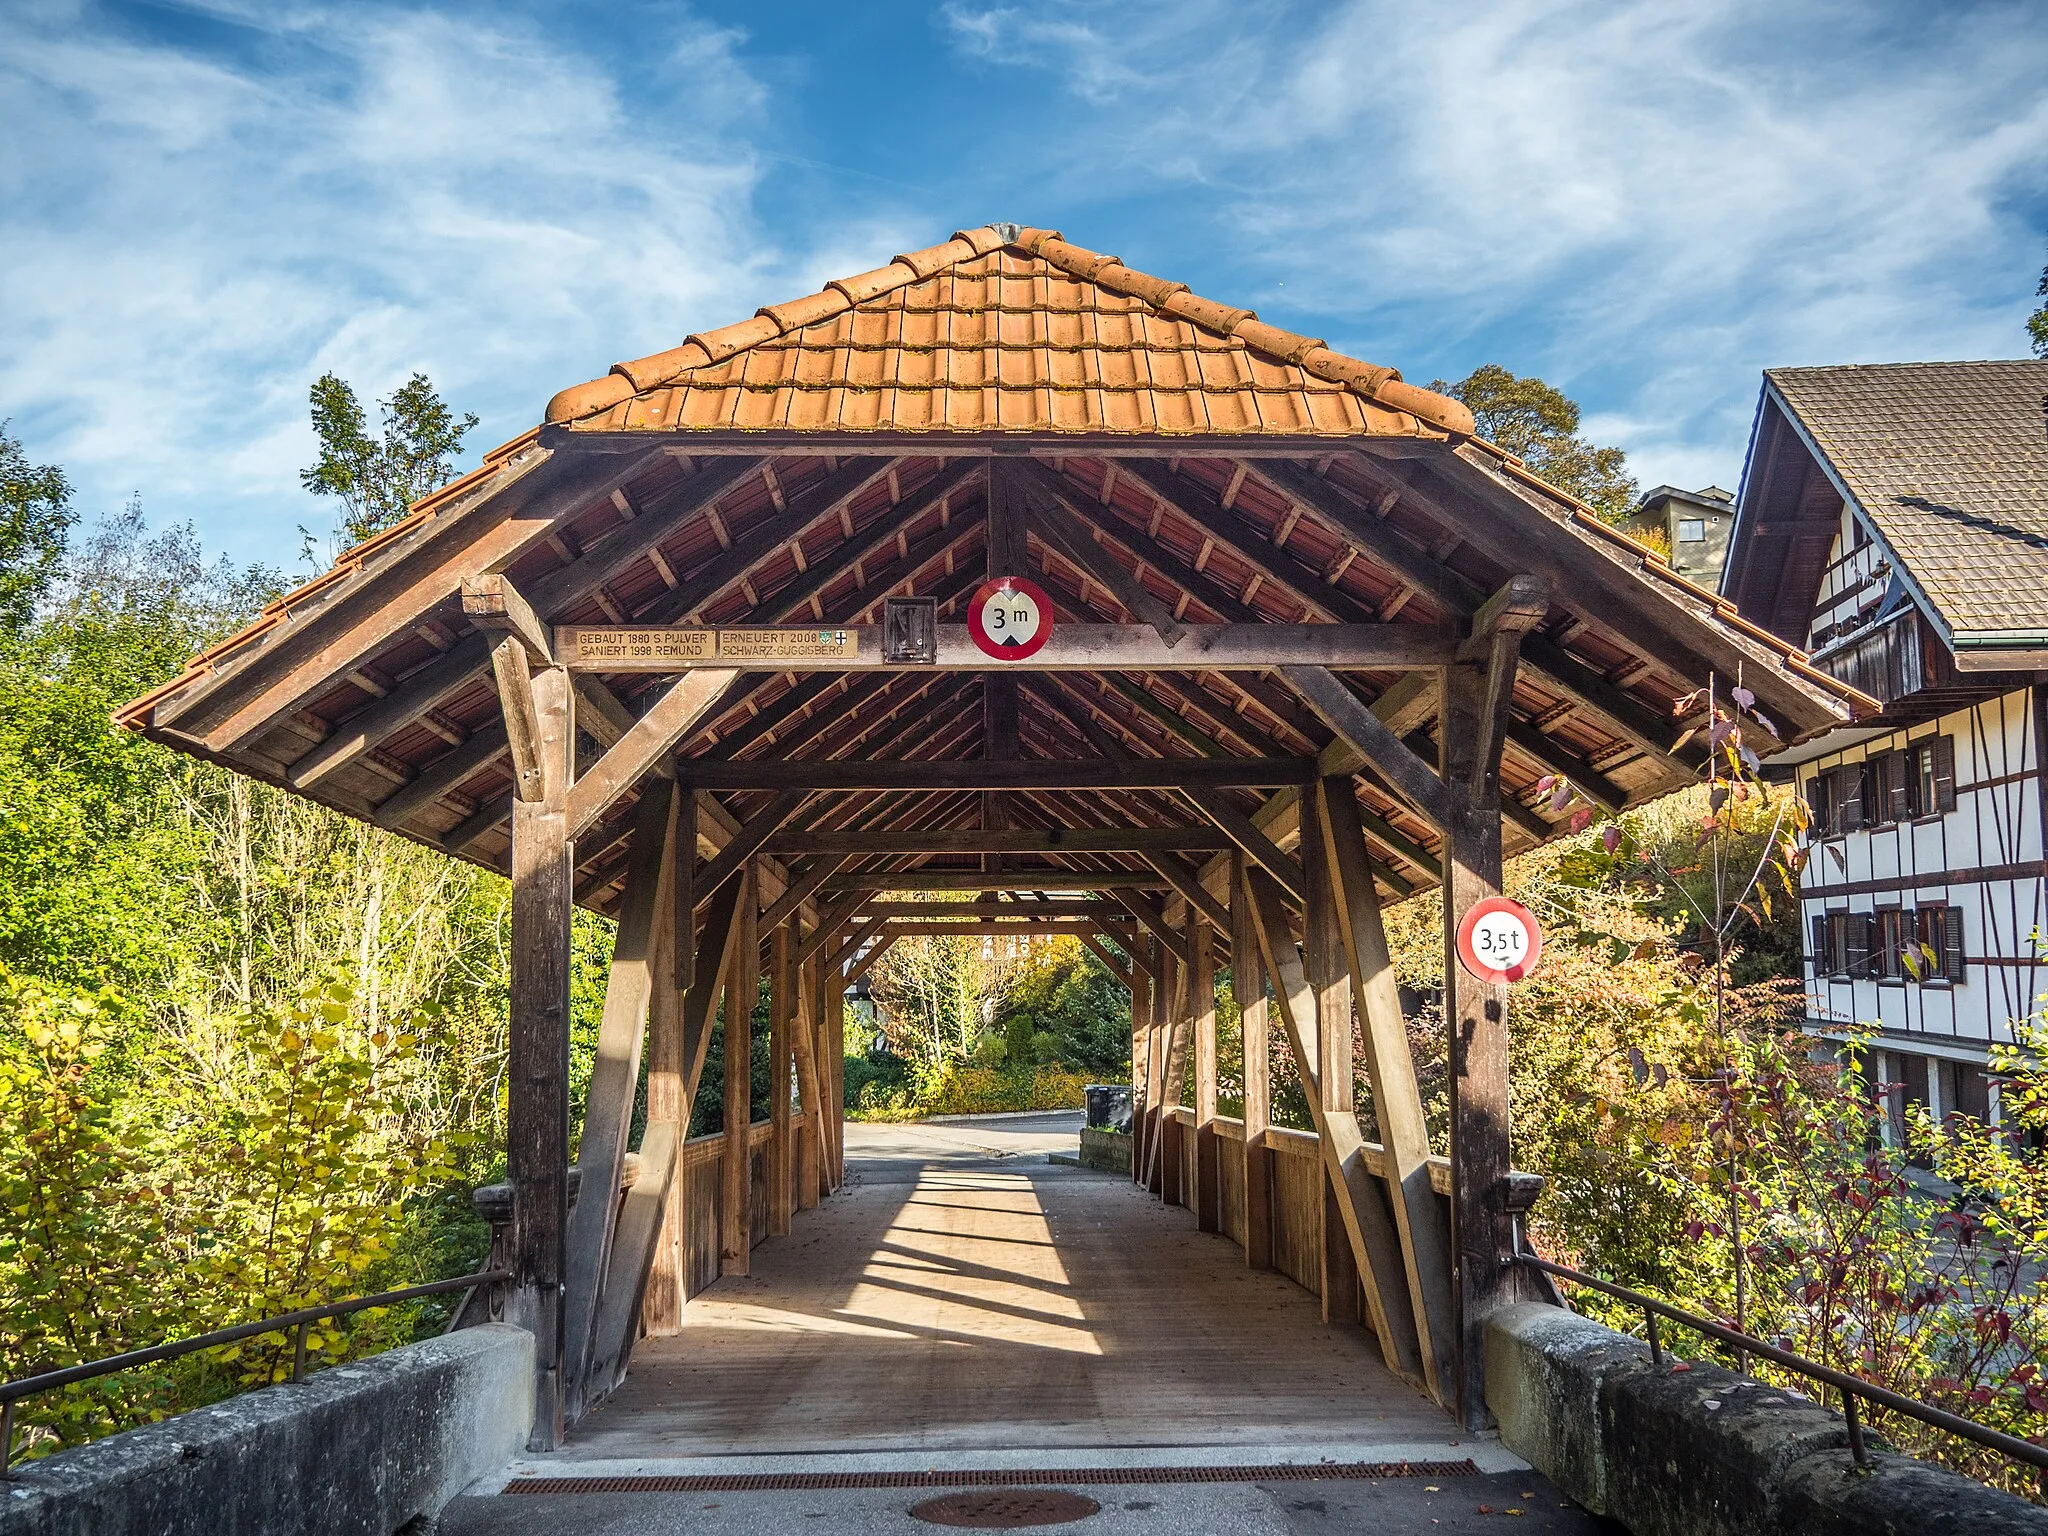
(1950,461)
(1012,330)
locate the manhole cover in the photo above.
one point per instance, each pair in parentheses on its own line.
(1010,1509)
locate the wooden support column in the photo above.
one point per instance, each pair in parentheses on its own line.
(1420,1216)
(1323,964)
(614,1080)
(661,1306)
(1476,1015)
(1248,984)
(782,1048)
(1207,1196)
(537,1119)
(736,1235)
(814,1076)
(835,1079)
(1360,1201)
(1143,982)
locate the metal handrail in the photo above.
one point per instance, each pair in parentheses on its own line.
(1851,1387)
(11,1392)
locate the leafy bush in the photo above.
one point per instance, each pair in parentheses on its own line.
(971,1090)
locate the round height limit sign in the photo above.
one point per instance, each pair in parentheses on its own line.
(1499,940)
(1010,618)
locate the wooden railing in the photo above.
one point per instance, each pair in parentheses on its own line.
(1293,1210)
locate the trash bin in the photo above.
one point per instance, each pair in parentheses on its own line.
(1109,1107)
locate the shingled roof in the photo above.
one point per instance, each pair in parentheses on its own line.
(1008,329)
(1950,462)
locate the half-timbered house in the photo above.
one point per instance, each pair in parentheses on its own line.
(1894,520)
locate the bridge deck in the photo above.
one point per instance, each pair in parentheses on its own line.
(963,1294)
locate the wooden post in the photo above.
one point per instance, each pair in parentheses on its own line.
(736,1237)
(835,1057)
(614,1080)
(1476,1014)
(1207,1195)
(781,1151)
(1420,1216)
(1323,964)
(661,1307)
(537,1118)
(810,1156)
(1144,984)
(1248,982)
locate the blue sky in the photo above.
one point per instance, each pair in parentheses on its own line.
(203,206)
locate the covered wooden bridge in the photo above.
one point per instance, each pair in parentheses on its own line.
(696,653)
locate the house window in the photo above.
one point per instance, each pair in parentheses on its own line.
(1841,944)
(1894,935)
(1938,943)
(1692,530)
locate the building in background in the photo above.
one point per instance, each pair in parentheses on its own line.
(1693,525)
(1894,520)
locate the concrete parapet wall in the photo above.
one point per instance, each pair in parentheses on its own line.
(1705,1452)
(1105,1150)
(358,1448)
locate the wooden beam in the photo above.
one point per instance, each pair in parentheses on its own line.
(1419,1217)
(1244,832)
(726,569)
(1349,716)
(1011,879)
(1248,987)
(1070,648)
(1189,885)
(1338,1138)
(522,727)
(404,582)
(982,909)
(1066,773)
(640,1226)
(1116,968)
(746,842)
(537,1065)
(1207,1193)
(652,737)
(1021,928)
(970,840)
(781,1161)
(486,744)
(491,602)
(1380,1266)
(866,962)
(614,1078)
(801,889)
(736,1201)
(1476,1017)
(1050,517)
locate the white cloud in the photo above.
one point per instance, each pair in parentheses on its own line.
(1647,202)
(194,234)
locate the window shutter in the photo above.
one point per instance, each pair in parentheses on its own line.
(1952,942)
(1849,798)
(1857,931)
(1898,782)
(1944,773)
(1823,962)
(1820,803)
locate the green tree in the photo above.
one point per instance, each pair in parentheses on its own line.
(378,478)
(1539,425)
(2037,323)
(35,515)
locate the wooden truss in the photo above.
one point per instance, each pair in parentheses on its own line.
(1284,686)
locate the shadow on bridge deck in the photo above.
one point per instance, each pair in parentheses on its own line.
(962,1294)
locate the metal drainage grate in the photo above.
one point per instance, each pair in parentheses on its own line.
(1006,1511)
(1079,1477)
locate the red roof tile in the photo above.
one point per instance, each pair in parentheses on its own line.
(1010,330)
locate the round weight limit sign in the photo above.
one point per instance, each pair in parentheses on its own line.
(1010,618)
(1499,940)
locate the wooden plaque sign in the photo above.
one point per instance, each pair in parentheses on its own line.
(739,645)
(642,645)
